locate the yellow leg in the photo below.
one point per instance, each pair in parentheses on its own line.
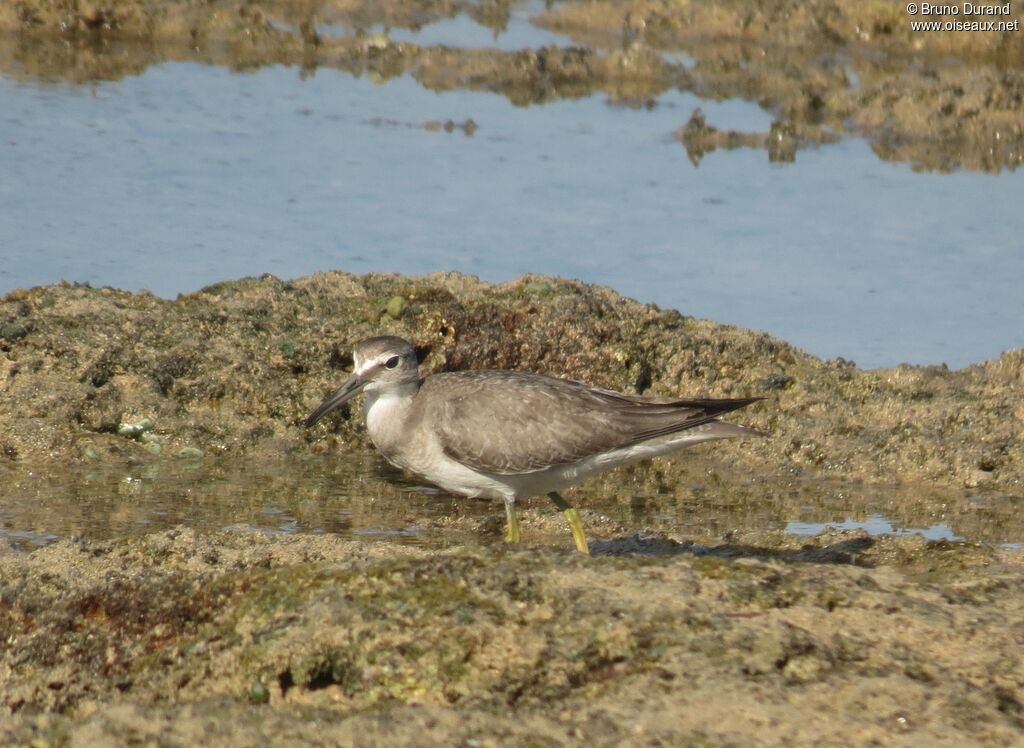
(575,523)
(512,524)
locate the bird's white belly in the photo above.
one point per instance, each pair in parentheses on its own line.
(558,477)
(457,478)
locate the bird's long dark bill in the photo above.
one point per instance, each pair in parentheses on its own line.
(346,392)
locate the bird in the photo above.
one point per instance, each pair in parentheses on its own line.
(507,435)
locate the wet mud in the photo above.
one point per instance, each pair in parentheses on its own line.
(938,100)
(723,629)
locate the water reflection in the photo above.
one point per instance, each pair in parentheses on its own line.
(876,524)
(362,497)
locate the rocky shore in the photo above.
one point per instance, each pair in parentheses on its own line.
(729,630)
(250,640)
(751,637)
(233,369)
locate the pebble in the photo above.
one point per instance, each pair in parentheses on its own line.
(258,693)
(135,430)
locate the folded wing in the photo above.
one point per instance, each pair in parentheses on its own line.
(513,422)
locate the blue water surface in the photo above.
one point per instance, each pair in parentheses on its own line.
(189,174)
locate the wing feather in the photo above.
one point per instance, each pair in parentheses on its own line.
(508,422)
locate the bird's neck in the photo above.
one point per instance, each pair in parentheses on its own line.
(387,411)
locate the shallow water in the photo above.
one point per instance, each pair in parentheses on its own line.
(875,524)
(366,499)
(191,174)
(106,502)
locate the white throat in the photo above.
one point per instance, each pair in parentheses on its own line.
(385,410)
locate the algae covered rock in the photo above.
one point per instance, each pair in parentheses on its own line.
(252,357)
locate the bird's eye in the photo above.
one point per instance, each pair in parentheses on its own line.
(392,362)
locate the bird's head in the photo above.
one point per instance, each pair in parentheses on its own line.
(380,363)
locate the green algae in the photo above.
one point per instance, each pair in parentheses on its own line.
(396,307)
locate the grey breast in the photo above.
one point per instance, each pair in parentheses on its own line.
(508,422)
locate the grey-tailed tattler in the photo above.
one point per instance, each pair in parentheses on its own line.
(505,435)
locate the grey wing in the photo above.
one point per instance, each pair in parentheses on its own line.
(513,422)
